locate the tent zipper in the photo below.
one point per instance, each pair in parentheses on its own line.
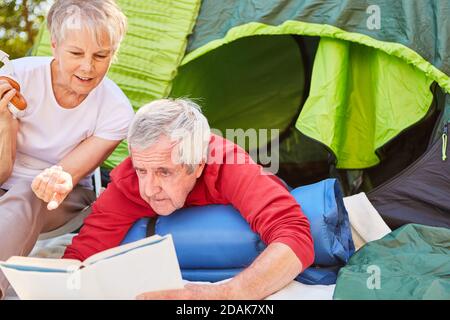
(444,142)
(411,168)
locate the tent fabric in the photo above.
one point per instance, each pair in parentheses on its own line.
(323,30)
(149,54)
(352,68)
(395,51)
(412,262)
(302,160)
(422,26)
(253,82)
(418,194)
(342,100)
(401,62)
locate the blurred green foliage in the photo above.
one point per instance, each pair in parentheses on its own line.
(19,24)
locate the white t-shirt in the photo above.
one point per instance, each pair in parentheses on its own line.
(48,132)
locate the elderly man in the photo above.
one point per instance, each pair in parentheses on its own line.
(176,162)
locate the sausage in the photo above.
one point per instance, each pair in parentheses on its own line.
(18,100)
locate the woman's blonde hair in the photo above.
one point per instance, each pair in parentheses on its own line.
(96,16)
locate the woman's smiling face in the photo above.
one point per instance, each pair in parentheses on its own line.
(82,60)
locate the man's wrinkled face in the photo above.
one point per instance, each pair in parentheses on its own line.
(163,184)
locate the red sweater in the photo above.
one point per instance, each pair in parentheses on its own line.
(262,200)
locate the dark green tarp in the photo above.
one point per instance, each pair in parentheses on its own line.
(412,262)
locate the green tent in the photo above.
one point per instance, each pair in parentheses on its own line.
(354,90)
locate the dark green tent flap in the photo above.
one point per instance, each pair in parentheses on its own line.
(422,26)
(412,262)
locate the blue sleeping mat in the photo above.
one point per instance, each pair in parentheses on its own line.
(214,242)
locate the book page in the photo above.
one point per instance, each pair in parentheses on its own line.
(120,249)
(52,285)
(42,264)
(150,267)
(123,273)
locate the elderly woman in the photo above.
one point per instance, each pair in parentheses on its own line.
(75,118)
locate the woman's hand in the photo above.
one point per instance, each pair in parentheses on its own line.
(52,186)
(7,92)
(8,131)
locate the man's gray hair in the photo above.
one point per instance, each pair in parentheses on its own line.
(181,120)
(96,15)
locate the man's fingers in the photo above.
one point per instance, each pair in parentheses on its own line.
(160,295)
(177,294)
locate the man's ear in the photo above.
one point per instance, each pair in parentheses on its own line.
(199,170)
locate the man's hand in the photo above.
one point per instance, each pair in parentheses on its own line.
(52,186)
(191,292)
(272,270)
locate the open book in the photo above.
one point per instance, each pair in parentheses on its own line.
(119,273)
